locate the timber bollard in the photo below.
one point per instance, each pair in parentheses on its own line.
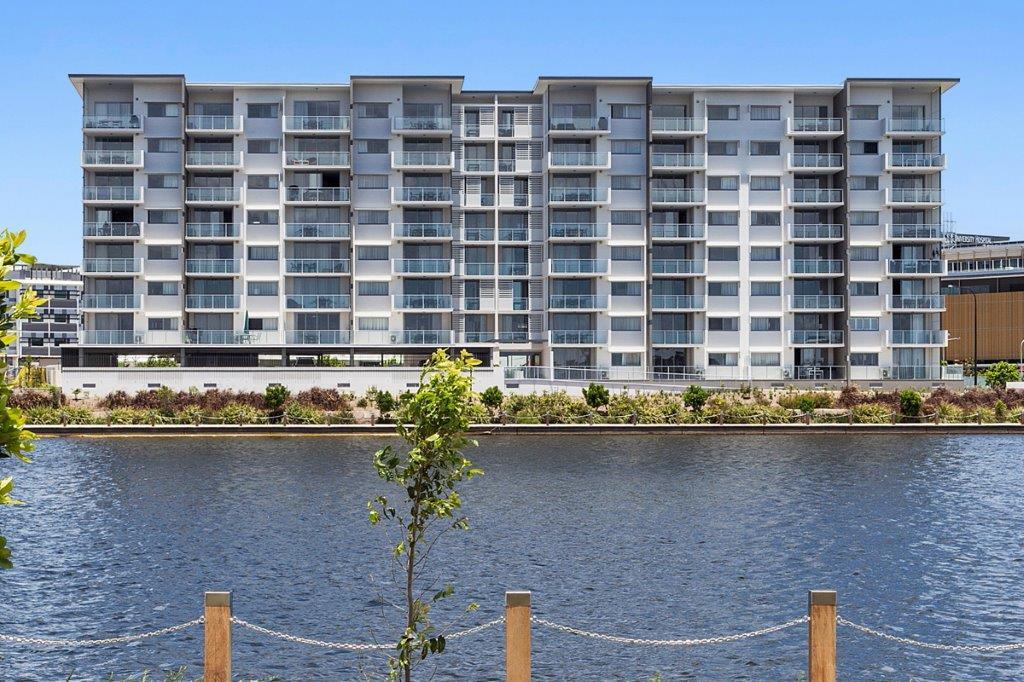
(517,637)
(217,637)
(821,636)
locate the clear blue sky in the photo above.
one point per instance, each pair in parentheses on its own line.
(506,45)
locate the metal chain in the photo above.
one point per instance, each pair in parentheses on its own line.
(476,629)
(670,642)
(42,641)
(930,645)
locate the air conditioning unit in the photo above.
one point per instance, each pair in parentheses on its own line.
(787,373)
(394,338)
(885,372)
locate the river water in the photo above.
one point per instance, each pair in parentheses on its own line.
(647,536)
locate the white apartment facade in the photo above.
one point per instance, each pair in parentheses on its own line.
(57,320)
(591,227)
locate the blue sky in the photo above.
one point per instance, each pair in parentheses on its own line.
(506,45)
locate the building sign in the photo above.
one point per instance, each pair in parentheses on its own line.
(953,239)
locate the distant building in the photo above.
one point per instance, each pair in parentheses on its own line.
(58,319)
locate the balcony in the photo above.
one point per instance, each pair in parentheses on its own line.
(914,127)
(317,266)
(212,230)
(914,233)
(515,337)
(677,231)
(678,126)
(816,303)
(579,160)
(814,163)
(317,301)
(212,302)
(198,160)
(578,231)
(329,125)
(213,125)
(514,269)
(213,195)
(916,267)
(212,266)
(300,159)
(316,195)
(676,266)
(110,302)
(815,268)
(513,234)
(422,302)
(925,197)
(421,195)
(822,128)
(112,266)
(916,337)
(683,162)
(476,269)
(916,303)
(583,302)
(105,194)
(421,266)
(317,231)
(225,337)
(816,232)
(476,199)
(677,337)
(479,337)
(577,337)
(513,200)
(816,197)
(318,337)
(421,231)
(104,230)
(424,337)
(914,163)
(582,125)
(577,266)
(422,160)
(578,195)
(100,123)
(677,303)
(112,158)
(422,125)
(112,337)
(677,196)
(478,234)
(816,337)
(477,165)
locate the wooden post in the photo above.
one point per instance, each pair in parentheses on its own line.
(217,637)
(517,637)
(821,636)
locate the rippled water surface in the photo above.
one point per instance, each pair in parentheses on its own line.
(646,536)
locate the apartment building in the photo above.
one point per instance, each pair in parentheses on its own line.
(597,227)
(57,320)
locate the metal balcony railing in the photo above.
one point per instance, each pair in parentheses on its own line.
(213,301)
(815,125)
(317,230)
(677,337)
(816,231)
(677,160)
(816,196)
(816,302)
(917,337)
(677,124)
(212,230)
(804,160)
(212,265)
(317,123)
(578,230)
(213,158)
(917,302)
(111,193)
(318,337)
(422,230)
(677,195)
(111,301)
(423,159)
(213,194)
(677,266)
(111,265)
(317,265)
(215,123)
(583,123)
(102,229)
(578,337)
(478,269)
(422,301)
(104,122)
(513,269)
(478,165)
(677,231)
(317,301)
(580,159)
(111,157)
(915,160)
(816,337)
(916,267)
(316,195)
(423,194)
(914,195)
(578,265)
(816,267)
(422,265)
(924,232)
(914,125)
(421,123)
(676,302)
(578,302)
(302,158)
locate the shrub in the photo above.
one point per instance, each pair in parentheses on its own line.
(649,408)
(50,415)
(238,413)
(596,395)
(41,415)
(131,415)
(275,396)
(871,413)
(806,401)
(492,397)
(323,399)
(949,413)
(190,414)
(25,399)
(695,398)
(556,407)
(1000,411)
(910,403)
(997,375)
(115,400)
(301,414)
(384,401)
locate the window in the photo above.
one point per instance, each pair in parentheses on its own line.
(162,288)
(723,217)
(723,288)
(863,112)
(765,253)
(162,252)
(163,324)
(720,148)
(627,217)
(864,359)
(626,359)
(371,146)
(723,324)
(723,112)
(627,110)
(727,183)
(162,217)
(863,288)
(860,147)
(163,145)
(262,253)
(372,217)
(373,324)
(723,359)
(373,289)
(863,182)
(765,324)
(869,253)
(262,110)
(163,109)
(263,323)
(372,181)
(262,217)
(627,288)
(372,252)
(261,288)
(723,253)
(162,181)
(626,146)
(765,359)
(863,324)
(267,146)
(633,253)
(765,288)
(765,183)
(762,218)
(626,182)
(372,110)
(764,112)
(262,181)
(767,148)
(863,217)
(627,324)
